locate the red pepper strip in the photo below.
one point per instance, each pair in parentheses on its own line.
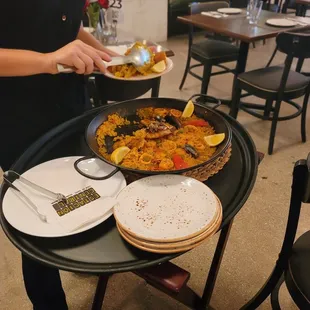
(179,163)
(197,123)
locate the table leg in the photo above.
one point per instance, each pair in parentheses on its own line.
(100,292)
(215,266)
(240,68)
(155,88)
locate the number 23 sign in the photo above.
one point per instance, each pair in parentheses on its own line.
(115,11)
(116,4)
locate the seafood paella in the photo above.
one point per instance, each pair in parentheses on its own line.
(157,64)
(164,139)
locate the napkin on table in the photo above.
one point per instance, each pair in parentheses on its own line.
(87,214)
(214,14)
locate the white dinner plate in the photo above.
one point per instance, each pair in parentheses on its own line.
(143,77)
(229,11)
(166,208)
(281,22)
(59,175)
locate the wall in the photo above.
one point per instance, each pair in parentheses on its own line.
(146,18)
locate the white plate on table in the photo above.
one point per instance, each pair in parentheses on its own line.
(166,208)
(281,22)
(143,77)
(229,11)
(59,175)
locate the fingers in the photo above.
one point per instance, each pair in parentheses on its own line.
(83,57)
(88,64)
(79,64)
(95,56)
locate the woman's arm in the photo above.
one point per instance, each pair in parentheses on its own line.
(22,63)
(89,39)
(76,54)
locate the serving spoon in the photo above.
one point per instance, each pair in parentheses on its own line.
(139,56)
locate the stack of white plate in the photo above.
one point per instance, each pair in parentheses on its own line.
(167,213)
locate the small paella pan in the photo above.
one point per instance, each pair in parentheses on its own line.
(158,135)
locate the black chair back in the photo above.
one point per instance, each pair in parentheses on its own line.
(295,45)
(197,7)
(288,4)
(272,7)
(239,3)
(300,193)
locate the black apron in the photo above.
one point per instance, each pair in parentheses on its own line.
(30,106)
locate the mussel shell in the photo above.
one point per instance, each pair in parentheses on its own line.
(191,150)
(108,140)
(172,120)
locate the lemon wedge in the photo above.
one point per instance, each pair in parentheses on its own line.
(214,140)
(118,154)
(159,67)
(189,109)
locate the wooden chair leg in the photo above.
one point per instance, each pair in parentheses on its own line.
(207,69)
(187,66)
(235,102)
(274,298)
(304,116)
(274,126)
(100,292)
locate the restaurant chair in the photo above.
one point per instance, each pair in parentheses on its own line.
(289,7)
(277,84)
(272,7)
(208,52)
(292,265)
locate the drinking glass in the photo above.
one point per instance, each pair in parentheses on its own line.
(249,8)
(255,11)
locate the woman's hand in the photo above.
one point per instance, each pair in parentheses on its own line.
(78,55)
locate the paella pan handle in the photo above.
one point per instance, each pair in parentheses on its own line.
(76,167)
(206,100)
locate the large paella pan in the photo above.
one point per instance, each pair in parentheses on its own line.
(158,135)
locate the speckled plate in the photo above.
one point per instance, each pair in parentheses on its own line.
(150,76)
(166,208)
(209,232)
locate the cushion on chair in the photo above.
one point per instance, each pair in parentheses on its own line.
(165,276)
(269,79)
(214,49)
(298,274)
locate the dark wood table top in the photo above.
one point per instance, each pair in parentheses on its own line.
(238,27)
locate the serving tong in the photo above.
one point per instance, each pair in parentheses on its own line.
(10,176)
(139,56)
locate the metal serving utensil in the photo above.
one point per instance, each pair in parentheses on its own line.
(139,56)
(56,196)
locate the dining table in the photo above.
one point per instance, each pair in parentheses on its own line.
(238,27)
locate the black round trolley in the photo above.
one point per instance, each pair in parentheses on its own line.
(101,250)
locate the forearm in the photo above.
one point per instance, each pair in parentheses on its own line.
(22,63)
(89,39)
